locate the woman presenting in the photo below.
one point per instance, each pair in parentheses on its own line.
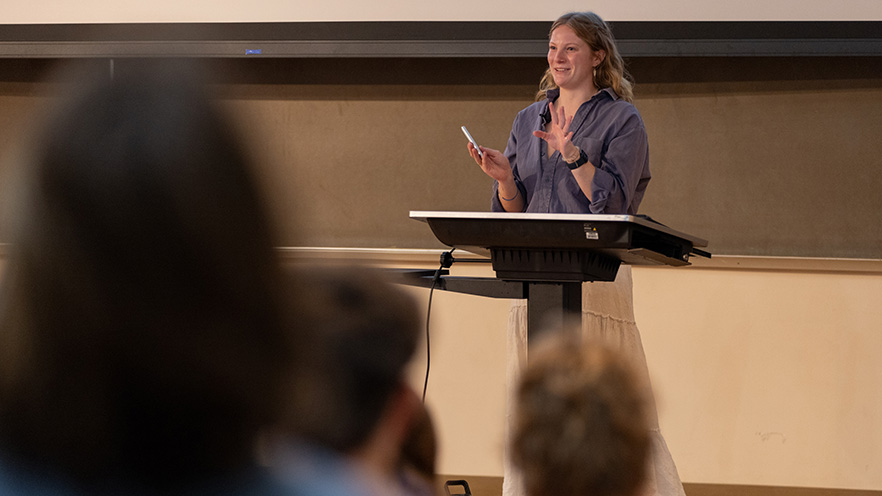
(581,148)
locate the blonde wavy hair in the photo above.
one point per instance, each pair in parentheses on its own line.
(594,31)
(582,421)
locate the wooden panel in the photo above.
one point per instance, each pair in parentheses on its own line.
(774,157)
(760,156)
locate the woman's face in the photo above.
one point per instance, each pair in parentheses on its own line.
(571,60)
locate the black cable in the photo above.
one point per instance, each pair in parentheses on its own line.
(446,261)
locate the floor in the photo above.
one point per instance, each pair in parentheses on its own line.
(492,486)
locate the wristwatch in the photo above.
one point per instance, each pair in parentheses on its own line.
(582,160)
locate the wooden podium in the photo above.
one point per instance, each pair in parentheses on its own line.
(544,258)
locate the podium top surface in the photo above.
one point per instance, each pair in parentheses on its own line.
(426,216)
(630,238)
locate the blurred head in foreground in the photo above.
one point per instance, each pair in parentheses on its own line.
(140,334)
(356,334)
(581,421)
(418,464)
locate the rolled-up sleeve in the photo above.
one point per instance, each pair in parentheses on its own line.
(621,178)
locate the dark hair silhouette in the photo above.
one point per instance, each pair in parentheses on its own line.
(360,331)
(140,333)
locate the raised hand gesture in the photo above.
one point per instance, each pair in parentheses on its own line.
(558,135)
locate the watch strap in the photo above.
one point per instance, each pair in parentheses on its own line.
(582,160)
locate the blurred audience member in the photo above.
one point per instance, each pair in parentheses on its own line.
(141,339)
(351,411)
(582,421)
(417,466)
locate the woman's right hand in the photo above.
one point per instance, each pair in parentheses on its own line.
(494,163)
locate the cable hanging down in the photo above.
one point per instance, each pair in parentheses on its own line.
(446,261)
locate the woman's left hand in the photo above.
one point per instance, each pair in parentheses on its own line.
(558,135)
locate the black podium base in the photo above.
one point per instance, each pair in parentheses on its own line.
(530,264)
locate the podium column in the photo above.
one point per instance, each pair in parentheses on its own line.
(551,305)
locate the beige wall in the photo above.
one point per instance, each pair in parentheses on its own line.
(764,377)
(767,378)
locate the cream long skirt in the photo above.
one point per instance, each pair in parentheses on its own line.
(607,315)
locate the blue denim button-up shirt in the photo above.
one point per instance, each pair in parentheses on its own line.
(611,133)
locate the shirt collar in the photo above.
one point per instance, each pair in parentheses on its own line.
(552,94)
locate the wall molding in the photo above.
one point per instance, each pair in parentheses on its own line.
(404,257)
(717,262)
